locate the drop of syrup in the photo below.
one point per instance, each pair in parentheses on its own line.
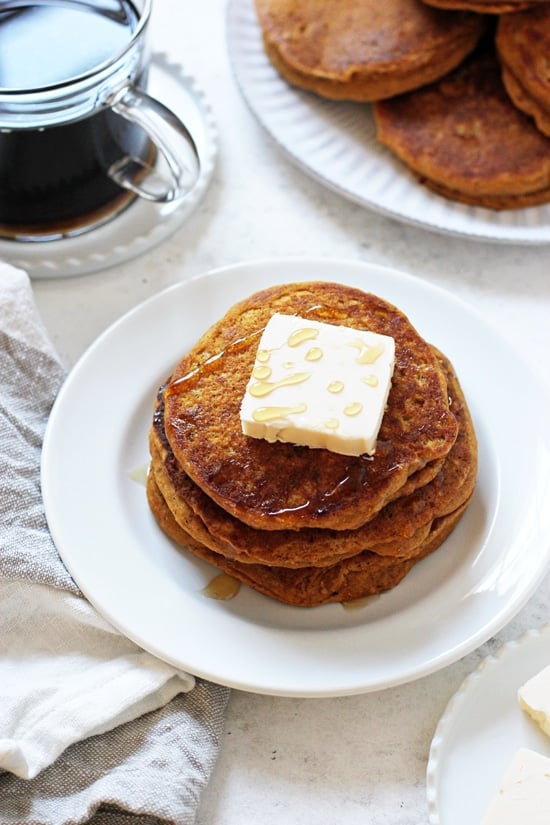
(222,587)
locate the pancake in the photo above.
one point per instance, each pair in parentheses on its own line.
(348,580)
(228,537)
(523,46)
(397,530)
(526,103)
(281,486)
(484,6)
(364,50)
(463,138)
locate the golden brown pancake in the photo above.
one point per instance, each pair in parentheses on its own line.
(526,103)
(484,6)
(225,535)
(397,530)
(364,50)
(523,46)
(347,580)
(464,138)
(281,486)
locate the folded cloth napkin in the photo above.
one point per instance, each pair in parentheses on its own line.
(92,728)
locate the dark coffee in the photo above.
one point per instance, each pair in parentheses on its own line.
(55,177)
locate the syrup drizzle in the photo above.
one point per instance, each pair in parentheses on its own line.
(184,381)
(366,354)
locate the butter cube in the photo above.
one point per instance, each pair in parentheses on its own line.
(318,385)
(524,794)
(534,698)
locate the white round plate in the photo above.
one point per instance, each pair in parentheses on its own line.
(143,224)
(481,730)
(449,604)
(336,144)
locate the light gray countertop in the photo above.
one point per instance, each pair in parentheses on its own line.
(284,760)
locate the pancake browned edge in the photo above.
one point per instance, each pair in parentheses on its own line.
(523,46)
(364,50)
(464,138)
(282,486)
(207,523)
(363,575)
(483,6)
(399,530)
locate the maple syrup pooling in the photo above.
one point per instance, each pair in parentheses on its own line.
(262,371)
(222,587)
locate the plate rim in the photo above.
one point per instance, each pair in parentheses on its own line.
(285,265)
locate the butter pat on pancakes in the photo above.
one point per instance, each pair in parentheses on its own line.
(318,385)
(534,699)
(523,797)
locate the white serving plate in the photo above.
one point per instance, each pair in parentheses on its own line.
(449,604)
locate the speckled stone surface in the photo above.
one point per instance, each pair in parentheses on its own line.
(346,760)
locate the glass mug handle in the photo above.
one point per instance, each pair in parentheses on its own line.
(171,139)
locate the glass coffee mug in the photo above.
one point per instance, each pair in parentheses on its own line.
(80,138)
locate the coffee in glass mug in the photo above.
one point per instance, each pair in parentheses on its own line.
(80,138)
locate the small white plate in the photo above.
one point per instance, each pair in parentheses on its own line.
(142,225)
(336,144)
(481,729)
(449,604)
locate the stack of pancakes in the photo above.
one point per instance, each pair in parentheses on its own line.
(308,526)
(459,88)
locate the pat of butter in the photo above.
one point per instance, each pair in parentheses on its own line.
(318,385)
(523,797)
(534,698)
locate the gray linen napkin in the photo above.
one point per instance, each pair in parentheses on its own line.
(149,770)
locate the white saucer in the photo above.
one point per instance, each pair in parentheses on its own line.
(143,224)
